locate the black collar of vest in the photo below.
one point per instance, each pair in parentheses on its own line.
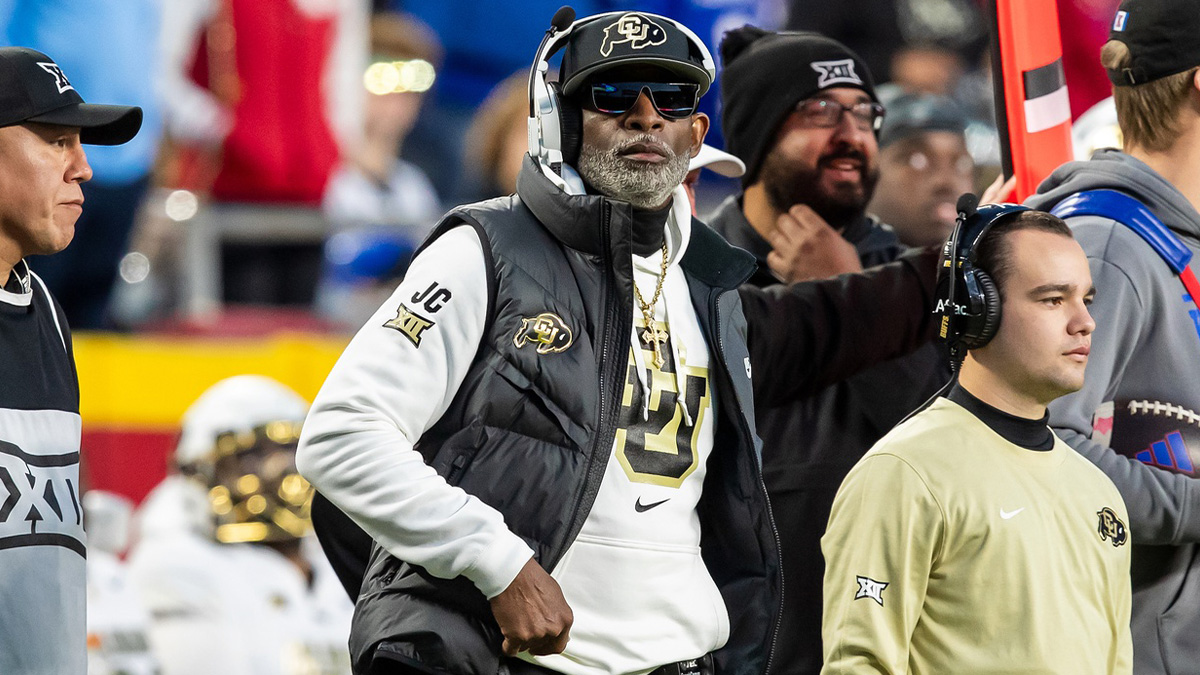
(575,221)
(715,261)
(572,219)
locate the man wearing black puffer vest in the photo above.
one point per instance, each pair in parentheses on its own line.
(548,429)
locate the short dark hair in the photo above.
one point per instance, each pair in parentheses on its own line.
(994,256)
(1148,113)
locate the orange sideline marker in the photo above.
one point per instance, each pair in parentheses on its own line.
(1033,113)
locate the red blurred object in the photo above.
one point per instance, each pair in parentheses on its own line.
(1033,112)
(1084,30)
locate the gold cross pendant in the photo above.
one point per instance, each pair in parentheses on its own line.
(656,339)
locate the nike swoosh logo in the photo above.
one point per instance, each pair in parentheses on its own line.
(1009,514)
(641,508)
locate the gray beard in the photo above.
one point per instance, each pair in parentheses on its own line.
(645,186)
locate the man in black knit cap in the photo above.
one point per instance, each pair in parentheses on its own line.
(800,110)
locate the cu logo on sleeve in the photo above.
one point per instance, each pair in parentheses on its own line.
(39,500)
(1111,528)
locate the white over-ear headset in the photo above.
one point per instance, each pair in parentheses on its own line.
(549,128)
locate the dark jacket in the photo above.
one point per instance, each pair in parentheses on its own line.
(531,436)
(811,442)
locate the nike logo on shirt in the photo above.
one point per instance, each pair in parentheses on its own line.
(1009,514)
(640,507)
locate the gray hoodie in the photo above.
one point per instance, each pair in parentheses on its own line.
(1146,347)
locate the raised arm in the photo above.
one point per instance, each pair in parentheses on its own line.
(806,336)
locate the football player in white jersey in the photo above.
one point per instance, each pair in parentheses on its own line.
(233,581)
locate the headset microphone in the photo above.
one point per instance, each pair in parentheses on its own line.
(967,204)
(564,17)
(554,124)
(562,20)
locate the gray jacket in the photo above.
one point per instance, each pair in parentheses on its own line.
(1146,347)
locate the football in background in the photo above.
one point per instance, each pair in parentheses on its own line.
(1157,433)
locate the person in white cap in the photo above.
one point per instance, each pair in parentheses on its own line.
(717,161)
(43,124)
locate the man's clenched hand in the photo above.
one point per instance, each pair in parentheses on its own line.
(805,247)
(532,613)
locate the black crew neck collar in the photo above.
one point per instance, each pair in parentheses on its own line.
(1021,431)
(648,229)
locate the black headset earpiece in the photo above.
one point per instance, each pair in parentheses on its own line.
(570,124)
(969,301)
(981,324)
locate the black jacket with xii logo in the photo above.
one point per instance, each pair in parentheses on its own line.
(531,436)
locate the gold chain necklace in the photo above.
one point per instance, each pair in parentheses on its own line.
(652,335)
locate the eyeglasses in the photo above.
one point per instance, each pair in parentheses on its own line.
(823,112)
(672,100)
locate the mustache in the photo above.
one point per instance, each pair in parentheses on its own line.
(843,153)
(646,142)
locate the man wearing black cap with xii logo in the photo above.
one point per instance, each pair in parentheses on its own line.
(800,110)
(548,429)
(43,121)
(1136,414)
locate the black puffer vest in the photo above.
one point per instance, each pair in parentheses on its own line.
(530,429)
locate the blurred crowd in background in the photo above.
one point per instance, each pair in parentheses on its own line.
(295,152)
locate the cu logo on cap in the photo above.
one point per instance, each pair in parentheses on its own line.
(634,29)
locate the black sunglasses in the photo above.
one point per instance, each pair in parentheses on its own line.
(672,100)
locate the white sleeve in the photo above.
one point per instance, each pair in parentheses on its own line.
(395,380)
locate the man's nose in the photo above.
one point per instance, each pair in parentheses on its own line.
(1082,322)
(78,170)
(643,116)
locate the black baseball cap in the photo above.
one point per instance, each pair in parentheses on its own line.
(633,38)
(34,89)
(1161,36)
(909,114)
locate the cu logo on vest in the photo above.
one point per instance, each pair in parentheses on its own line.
(546,330)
